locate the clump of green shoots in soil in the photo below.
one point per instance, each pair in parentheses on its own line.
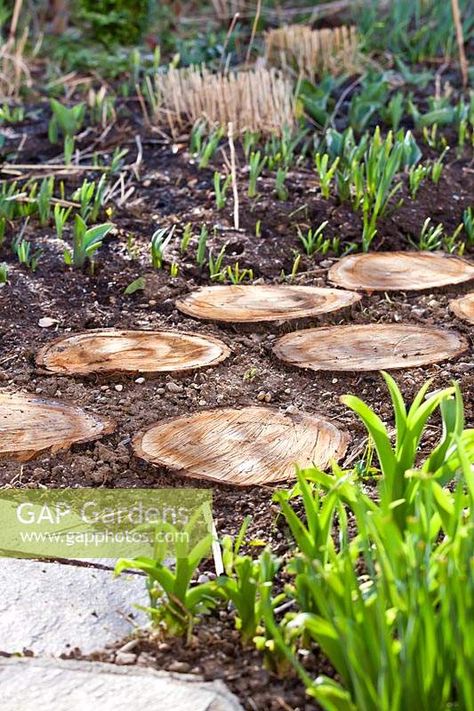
(382,585)
(66,122)
(86,242)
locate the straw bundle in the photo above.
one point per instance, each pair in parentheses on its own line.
(313,52)
(258,100)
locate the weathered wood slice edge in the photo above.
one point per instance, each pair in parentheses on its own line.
(316,426)
(267,302)
(21,415)
(345,272)
(48,357)
(463,307)
(291,347)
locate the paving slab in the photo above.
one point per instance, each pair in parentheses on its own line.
(57,685)
(51,608)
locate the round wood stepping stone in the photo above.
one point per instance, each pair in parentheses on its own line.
(131,351)
(30,425)
(368,347)
(267,302)
(463,307)
(399,271)
(254,445)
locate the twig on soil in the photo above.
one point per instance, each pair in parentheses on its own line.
(234,177)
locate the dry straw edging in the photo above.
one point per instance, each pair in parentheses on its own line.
(260,99)
(313,52)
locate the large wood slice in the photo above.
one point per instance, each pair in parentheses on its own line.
(368,347)
(463,307)
(399,271)
(266,302)
(254,445)
(131,351)
(30,425)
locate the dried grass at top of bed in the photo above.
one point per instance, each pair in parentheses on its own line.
(312,52)
(256,100)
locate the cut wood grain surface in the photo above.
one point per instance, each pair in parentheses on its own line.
(244,447)
(368,347)
(30,425)
(266,302)
(131,351)
(463,307)
(399,271)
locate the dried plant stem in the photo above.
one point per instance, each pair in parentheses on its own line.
(460,41)
(233,171)
(254,30)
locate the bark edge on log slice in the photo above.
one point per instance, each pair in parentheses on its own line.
(399,271)
(30,425)
(254,303)
(242,447)
(127,351)
(368,347)
(463,307)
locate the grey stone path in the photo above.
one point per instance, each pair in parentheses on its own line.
(50,608)
(55,685)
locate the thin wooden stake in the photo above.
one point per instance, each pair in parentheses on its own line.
(234,177)
(460,40)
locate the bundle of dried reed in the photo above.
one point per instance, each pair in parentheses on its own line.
(257,100)
(311,52)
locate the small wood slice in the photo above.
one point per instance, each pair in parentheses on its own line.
(368,347)
(131,351)
(463,307)
(30,425)
(399,271)
(254,445)
(266,302)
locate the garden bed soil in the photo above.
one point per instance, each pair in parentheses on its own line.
(172,190)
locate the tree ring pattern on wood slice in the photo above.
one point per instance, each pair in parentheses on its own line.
(463,307)
(399,271)
(111,350)
(30,425)
(243,447)
(368,347)
(266,302)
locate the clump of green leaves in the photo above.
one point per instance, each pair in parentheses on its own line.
(66,122)
(256,166)
(26,255)
(86,242)
(174,600)
(159,242)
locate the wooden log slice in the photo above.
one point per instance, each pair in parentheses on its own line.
(131,351)
(463,307)
(266,302)
(368,347)
(30,425)
(399,271)
(254,445)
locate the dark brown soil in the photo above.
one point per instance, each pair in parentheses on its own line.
(172,190)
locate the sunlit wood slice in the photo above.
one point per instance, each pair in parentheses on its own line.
(254,445)
(30,425)
(131,351)
(463,307)
(266,302)
(368,347)
(399,271)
